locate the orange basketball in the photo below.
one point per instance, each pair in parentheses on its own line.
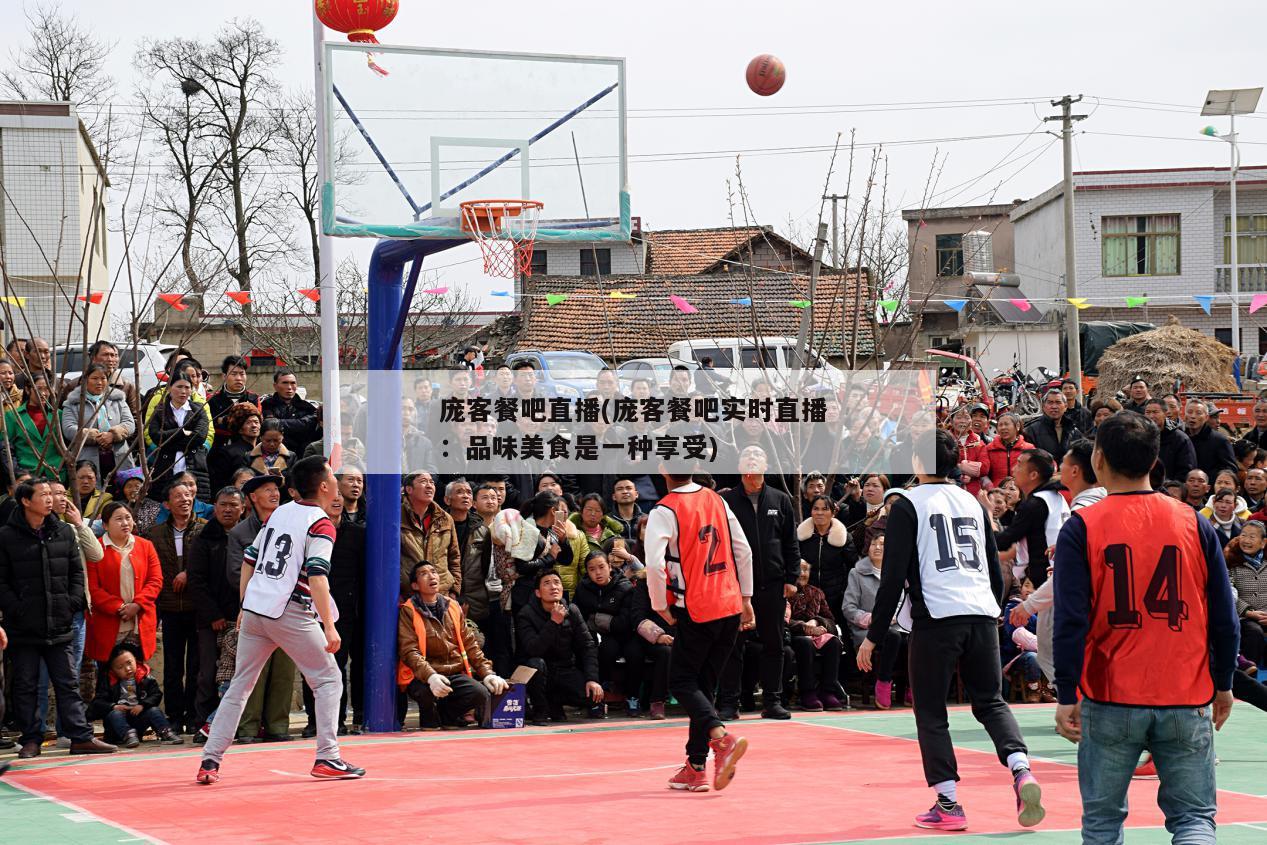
(765,74)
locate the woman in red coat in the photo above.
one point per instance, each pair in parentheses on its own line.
(124,585)
(1004,450)
(971,450)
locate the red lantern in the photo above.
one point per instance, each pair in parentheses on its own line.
(359,19)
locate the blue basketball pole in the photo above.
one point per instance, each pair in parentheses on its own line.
(388,309)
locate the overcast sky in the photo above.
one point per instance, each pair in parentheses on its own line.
(690,56)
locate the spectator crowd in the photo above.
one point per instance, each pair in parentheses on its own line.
(126,518)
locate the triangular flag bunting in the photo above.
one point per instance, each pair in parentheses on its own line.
(436,291)
(1078,302)
(1136,301)
(1259,300)
(620,294)
(682,305)
(19,301)
(1204,300)
(799,303)
(555,298)
(957,304)
(1021,304)
(745,301)
(241,297)
(174,300)
(94,298)
(889,305)
(501,293)
(312,293)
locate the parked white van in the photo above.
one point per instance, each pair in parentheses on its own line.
(732,354)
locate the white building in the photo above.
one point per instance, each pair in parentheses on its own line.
(1163,234)
(52,224)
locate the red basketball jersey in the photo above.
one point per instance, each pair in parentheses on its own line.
(1149,644)
(709,583)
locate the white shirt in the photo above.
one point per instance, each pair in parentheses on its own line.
(662,540)
(178,466)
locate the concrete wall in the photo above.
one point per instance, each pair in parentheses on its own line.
(996,349)
(564,259)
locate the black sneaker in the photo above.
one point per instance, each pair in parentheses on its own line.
(309,731)
(597,711)
(335,770)
(776,711)
(727,714)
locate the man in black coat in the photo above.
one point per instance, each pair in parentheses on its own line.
(553,638)
(768,517)
(232,391)
(1258,434)
(1052,432)
(41,589)
(1034,471)
(215,600)
(1213,448)
(1177,455)
(300,420)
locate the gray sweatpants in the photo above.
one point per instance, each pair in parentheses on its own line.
(298,633)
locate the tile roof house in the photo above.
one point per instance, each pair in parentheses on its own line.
(710,268)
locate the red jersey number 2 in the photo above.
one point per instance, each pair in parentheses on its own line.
(1162,598)
(709,534)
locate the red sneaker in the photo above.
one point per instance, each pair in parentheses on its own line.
(1146,769)
(208,772)
(336,770)
(689,779)
(726,753)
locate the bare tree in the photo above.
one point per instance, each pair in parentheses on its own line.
(233,74)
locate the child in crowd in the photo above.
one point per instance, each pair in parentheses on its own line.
(127,700)
(622,560)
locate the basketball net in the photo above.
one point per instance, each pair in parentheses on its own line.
(505,231)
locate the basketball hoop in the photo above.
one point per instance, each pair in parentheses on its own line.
(505,231)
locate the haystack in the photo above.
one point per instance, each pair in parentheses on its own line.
(1165,355)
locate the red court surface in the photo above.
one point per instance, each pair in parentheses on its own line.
(532,787)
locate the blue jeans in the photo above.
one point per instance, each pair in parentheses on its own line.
(117,723)
(80,629)
(1182,744)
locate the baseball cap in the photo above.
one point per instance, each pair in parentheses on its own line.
(1212,409)
(979,406)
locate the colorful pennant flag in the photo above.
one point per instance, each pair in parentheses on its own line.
(682,305)
(174,300)
(1259,300)
(19,301)
(1204,300)
(889,305)
(1079,302)
(555,298)
(436,291)
(312,293)
(94,298)
(620,294)
(1136,301)
(957,304)
(745,301)
(502,293)
(799,303)
(1021,304)
(241,297)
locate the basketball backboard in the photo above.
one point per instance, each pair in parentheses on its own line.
(446,126)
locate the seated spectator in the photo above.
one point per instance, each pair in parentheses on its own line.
(625,508)
(524,547)
(574,548)
(603,596)
(270,455)
(621,558)
(655,640)
(594,522)
(88,493)
(864,582)
(236,439)
(97,424)
(553,639)
(123,587)
(127,700)
(1019,646)
(1248,570)
(441,664)
(813,630)
(1223,516)
(826,546)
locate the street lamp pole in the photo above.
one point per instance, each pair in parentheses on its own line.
(1236,272)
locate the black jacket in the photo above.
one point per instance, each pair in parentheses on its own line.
(148,694)
(1029,526)
(1042,433)
(610,599)
(771,532)
(566,644)
(1256,436)
(347,570)
(638,609)
(225,459)
(1214,451)
(41,580)
(171,439)
(830,558)
(300,422)
(1177,454)
(521,593)
(213,597)
(221,403)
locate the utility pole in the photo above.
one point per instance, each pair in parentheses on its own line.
(807,314)
(835,228)
(1072,320)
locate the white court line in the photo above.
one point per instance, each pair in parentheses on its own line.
(496,777)
(139,836)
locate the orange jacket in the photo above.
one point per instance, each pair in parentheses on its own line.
(103,586)
(428,646)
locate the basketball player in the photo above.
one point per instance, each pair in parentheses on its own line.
(286,604)
(699,577)
(1146,629)
(940,549)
